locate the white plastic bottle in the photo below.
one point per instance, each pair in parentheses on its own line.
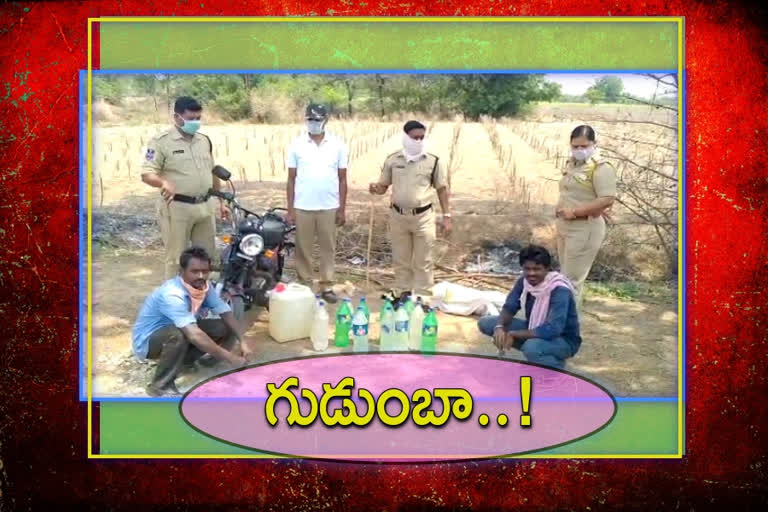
(360,331)
(415,326)
(319,334)
(387,321)
(401,329)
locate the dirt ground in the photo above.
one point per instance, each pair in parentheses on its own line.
(629,346)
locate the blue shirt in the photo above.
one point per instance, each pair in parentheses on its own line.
(562,320)
(169,305)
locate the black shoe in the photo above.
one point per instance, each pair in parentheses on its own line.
(329,297)
(391,296)
(207,361)
(154,391)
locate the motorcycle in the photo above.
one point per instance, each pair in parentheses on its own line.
(252,260)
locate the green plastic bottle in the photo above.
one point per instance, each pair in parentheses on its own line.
(429,332)
(343,324)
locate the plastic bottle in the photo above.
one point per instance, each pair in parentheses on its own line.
(343,324)
(387,319)
(415,326)
(291,311)
(429,332)
(400,340)
(360,331)
(364,304)
(319,334)
(409,306)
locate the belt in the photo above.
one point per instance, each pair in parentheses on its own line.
(190,199)
(411,211)
(583,217)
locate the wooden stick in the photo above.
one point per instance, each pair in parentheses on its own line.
(368,251)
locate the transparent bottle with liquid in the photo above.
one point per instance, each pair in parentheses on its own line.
(360,331)
(415,326)
(319,335)
(387,320)
(400,340)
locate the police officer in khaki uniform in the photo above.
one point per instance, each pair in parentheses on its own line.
(413,173)
(179,162)
(587,191)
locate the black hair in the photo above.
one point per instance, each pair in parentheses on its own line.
(536,254)
(195,252)
(413,125)
(583,131)
(185,103)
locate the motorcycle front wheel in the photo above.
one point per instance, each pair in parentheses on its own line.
(238,307)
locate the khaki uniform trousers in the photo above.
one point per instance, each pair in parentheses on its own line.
(182,224)
(578,242)
(413,240)
(320,225)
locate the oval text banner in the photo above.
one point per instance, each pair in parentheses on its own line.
(234,407)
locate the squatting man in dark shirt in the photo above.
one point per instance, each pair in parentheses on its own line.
(550,332)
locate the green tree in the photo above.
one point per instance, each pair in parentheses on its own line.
(499,95)
(225,93)
(595,95)
(109,88)
(609,89)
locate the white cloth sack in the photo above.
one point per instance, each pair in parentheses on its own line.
(461,300)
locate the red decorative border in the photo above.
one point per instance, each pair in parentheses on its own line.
(42,424)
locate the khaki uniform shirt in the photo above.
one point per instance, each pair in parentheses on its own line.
(187,164)
(412,181)
(583,182)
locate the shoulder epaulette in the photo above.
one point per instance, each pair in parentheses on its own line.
(210,144)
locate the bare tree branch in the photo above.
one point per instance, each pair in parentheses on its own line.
(624,158)
(645,102)
(632,121)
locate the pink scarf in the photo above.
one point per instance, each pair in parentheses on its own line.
(541,292)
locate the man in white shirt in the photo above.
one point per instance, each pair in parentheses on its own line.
(317,196)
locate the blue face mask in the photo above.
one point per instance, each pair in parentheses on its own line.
(315,127)
(190,127)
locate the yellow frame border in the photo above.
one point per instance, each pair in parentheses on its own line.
(679,20)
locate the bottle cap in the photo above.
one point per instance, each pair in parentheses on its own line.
(280,287)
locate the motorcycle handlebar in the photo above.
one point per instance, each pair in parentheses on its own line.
(230,197)
(227,196)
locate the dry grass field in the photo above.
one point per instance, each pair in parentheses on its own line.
(504,185)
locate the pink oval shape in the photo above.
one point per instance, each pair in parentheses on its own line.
(563,408)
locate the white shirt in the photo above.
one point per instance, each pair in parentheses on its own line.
(317,171)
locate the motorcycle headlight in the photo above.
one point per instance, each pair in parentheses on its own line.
(251,245)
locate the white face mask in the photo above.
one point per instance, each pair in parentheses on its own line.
(411,146)
(582,154)
(315,127)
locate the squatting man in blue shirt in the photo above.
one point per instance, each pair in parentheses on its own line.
(170,326)
(550,332)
